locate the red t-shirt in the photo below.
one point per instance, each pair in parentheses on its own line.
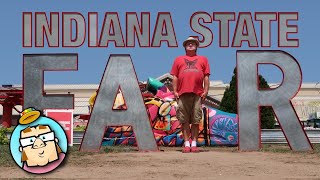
(190,71)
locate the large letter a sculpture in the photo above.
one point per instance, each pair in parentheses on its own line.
(119,72)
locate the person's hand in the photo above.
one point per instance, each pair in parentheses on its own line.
(176,94)
(204,95)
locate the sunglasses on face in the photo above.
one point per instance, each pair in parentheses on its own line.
(45,137)
(191,43)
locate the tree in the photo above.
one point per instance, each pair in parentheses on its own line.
(229,102)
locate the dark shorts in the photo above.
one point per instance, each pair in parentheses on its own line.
(189,108)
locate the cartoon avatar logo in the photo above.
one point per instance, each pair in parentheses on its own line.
(38,144)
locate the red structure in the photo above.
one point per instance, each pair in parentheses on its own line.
(9,97)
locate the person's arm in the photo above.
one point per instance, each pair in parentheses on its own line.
(206,87)
(175,86)
(206,81)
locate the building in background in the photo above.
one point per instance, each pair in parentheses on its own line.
(306,102)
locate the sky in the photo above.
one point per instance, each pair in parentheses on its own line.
(154,62)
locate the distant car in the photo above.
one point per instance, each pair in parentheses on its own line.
(314,123)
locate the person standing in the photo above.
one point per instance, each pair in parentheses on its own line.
(190,86)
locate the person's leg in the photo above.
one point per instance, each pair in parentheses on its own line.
(194,132)
(185,127)
(183,115)
(196,118)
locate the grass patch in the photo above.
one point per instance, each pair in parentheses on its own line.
(275,148)
(80,128)
(119,149)
(220,148)
(316,149)
(74,150)
(282,148)
(6,159)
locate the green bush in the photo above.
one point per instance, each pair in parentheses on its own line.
(3,136)
(80,128)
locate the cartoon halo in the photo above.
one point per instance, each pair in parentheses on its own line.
(29,115)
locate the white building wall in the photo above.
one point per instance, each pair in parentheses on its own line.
(306,102)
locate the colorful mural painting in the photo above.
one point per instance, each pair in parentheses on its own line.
(223,127)
(216,127)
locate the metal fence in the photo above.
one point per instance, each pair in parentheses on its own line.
(268,136)
(276,136)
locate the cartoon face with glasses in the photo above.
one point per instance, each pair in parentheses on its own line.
(38,143)
(39,146)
